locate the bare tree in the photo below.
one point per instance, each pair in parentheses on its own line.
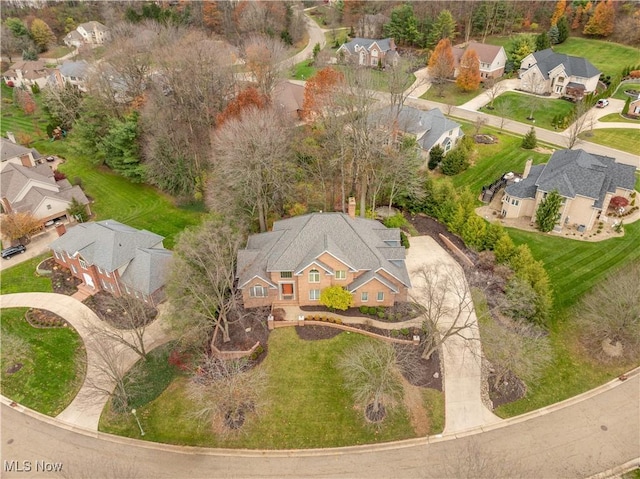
(515,346)
(133,318)
(478,124)
(503,109)
(227,392)
(494,89)
(372,375)
(201,283)
(63,103)
(446,304)
(265,58)
(400,82)
(532,103)
(580,118)
(252,159)
(608,317)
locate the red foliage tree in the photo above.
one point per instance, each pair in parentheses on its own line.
(469,71)
(248,98)
(602,21)
(441,63)
(319,89)
(619,202)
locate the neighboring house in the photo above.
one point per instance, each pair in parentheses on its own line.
(74,73)
(586,182)
(113,257)
(11,152)
(634,108)
(548,73)
(369,52)
(92,33)
(301,256)
(288,98)
(35,190)
(27,73)
(430,128)
(492,58)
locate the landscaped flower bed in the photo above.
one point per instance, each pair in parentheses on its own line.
(41,318)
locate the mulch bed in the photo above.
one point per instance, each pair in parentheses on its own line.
(106,307)
(245,330)
(315,333)
(510,389)
(41,318)
(402,311)
(62,281)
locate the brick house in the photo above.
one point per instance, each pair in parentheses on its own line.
(113,257)
(493,59)
(586,182)
(368,52)
(301,256)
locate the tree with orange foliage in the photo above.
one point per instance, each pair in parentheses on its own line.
(561,7)
(601,22)
(441,64)
(20,226)
(247,98)
(469,71)
(318,89)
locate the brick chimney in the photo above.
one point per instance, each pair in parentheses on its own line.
(527,168)
(60,229)
(352,207)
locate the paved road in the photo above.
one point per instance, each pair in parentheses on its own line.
(579,438)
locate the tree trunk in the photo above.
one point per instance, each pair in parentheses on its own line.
(363,196)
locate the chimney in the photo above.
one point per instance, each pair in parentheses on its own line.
(60,229)
(352,207)
(527,168)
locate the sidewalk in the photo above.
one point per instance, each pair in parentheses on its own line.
(86,408)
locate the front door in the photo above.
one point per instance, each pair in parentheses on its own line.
(88,280)
(286,291)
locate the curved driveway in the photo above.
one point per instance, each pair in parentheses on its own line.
(578,438)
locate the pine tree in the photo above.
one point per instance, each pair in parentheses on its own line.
(563,29)
(444,27)
(435,157)
(530,141)
(469,71)
(504,249)
(548,212)
(554,35)
(625,108)
(474,232)
(602,21)
(543,41)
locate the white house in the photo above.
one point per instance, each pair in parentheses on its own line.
(27,73)
(92,33)
(492,58)
(547,72)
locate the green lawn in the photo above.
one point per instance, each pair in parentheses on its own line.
(23,278)
(52,368)
(15,120)
(616,117)
(302,71)
(308,406)
(625,139)
(546,110)
(495,160)
(451,94)
(620,95)
(608,57)
(57,51)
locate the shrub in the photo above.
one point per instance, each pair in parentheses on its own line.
(435,157)
(372,310)
(404,240)
(381,315)
(380,309)
(455,162)
(336,297)
(530,141)
(256,354)
(363,309)
(395,333)
(395,221)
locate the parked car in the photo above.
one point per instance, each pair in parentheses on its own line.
(602,103)
(50,158)
(12,251)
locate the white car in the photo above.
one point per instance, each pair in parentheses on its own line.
(602,103)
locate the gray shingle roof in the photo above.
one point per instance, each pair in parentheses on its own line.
(148,270)
(9,150)
(427,126)
(576,173)
(383,43)
(547,60)
(294,243)
(74,69)
(107,244)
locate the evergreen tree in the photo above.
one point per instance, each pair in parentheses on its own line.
(495,231)
(403,25)
(543,41)
(625,108)
(444,27)
(474,232)
(520,47)
(554,35)
(548,212)
(563,29)
(456,161)
(121,149)
(530,141)
(78,211)
(504,249)
(435,157)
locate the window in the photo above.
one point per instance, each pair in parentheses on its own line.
(380,296)
(107,273)
(314,294)
(364,297)
(55,253)
(341,274)
(286,274)
(73,268)
(258,291)
(48,207)
(314,276)
(105,286)
(515,202)
(83,263)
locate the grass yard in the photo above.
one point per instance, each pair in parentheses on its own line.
(616,117)
(52,366)
(495,160)
(57,51)
(620,95)
(451,94)
(625,139)
(23,278)
(16,121)
(308,405)
(546,110)
(302,71)
(608,57)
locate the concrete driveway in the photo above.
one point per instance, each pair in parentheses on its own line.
(39,244)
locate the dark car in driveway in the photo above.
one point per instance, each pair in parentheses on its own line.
(12,251)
